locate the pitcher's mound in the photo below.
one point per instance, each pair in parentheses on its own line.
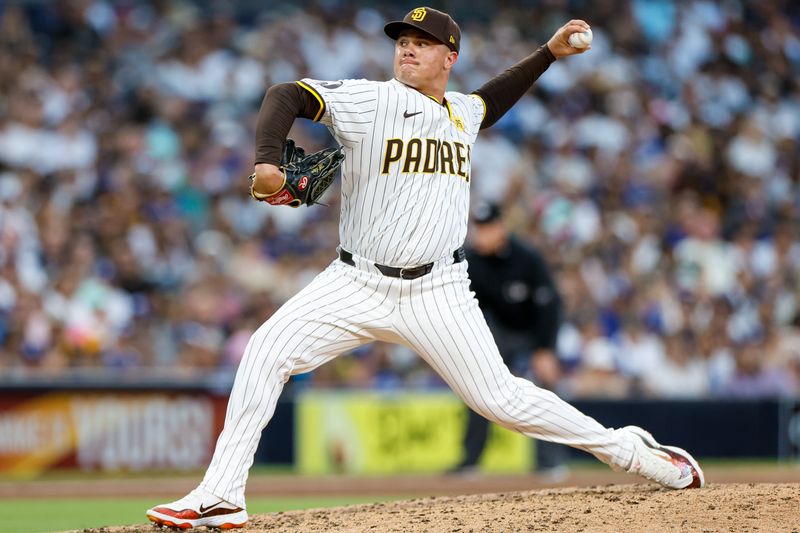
(735,508)
(732,508)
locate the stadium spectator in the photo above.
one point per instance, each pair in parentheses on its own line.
(659,175)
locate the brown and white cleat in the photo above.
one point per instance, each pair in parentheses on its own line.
(668,466)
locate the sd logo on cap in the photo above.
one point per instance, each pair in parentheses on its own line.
(435,23)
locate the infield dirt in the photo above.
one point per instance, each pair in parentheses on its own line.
(622,508)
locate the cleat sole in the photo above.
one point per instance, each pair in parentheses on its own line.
(186,525)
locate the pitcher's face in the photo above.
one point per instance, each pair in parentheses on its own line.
(421,61)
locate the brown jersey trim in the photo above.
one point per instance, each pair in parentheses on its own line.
(504,90)
(316,95)
(449,109)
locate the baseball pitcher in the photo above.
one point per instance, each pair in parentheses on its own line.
(400,275)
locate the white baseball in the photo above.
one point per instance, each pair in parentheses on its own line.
(581,40)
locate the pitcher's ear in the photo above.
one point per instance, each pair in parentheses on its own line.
(451,59)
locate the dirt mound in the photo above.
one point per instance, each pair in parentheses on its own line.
(735,508)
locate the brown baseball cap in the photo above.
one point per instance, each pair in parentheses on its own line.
(435,23)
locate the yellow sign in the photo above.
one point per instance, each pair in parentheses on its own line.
(419,14)
(374,433)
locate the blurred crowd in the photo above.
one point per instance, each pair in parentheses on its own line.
(659,174)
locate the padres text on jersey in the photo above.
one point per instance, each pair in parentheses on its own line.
(405,177)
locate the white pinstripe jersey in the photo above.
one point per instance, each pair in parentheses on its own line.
(405,176)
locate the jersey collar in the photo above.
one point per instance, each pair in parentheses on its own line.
(445,103)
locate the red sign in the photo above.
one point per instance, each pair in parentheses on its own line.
(107,431)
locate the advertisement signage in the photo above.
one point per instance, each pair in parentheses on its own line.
(108,432)
(375,433)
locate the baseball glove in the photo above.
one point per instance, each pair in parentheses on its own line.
(305,177)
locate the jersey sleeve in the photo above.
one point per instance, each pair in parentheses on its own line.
(347,107)
(468,110)
(478,108)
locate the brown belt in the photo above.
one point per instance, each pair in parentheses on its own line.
(405,272)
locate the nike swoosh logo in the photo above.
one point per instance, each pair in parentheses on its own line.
(331,85)
(204,510)
(406,114)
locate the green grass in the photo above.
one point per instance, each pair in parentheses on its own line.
(30,515)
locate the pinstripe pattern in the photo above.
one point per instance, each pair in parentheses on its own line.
(332,314)
(399,218)
(442,322)
(401,213)
(437,316)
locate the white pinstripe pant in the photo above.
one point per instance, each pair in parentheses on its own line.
(436,316)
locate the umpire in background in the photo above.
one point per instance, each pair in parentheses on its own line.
(518,297)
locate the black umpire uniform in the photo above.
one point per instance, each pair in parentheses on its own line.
(518,297)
